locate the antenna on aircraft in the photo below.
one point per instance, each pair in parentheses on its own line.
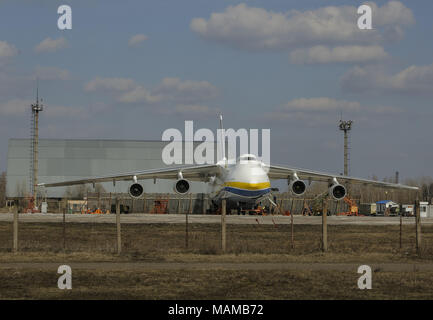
(223,144)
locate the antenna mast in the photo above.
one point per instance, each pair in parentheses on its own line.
(346,126)
(34,137)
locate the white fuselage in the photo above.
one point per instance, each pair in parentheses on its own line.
(242,180)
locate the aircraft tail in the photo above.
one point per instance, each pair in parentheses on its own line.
(223,146)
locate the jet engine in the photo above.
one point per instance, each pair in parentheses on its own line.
(297,187)
(181,186)
(337,191)
(136,190)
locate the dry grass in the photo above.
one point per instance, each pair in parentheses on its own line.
(245,243)
(213,284)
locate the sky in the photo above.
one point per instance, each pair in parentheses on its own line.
(132,69)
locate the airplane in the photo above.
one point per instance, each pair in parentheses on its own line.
(243,183)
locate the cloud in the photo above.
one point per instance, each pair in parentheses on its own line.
(171,95)
(51,45)
(196,111)
(110,84)
(256,29)
(190,111)
(313,110)
(185,91)
(7,50)
(51,73)
(13,85)
(138,94)
(18,107)
(322,104)
(172,90)
(391,13)
(15,107)
(342,54)
(67,112)
(412,80)
(136,40)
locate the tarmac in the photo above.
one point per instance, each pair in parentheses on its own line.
(198,218)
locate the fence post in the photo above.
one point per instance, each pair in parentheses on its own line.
(292,239)
(223,225)
(144,202)
(203,204)
(15,227)
(190,203)
(418,226)
(186,221)
(324,225)
(119,238)
(401,225)
(64,229)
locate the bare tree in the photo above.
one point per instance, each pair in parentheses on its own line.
(99,188)
(22,194)
(80,191)
(2,189)
(21,189)
(77,192)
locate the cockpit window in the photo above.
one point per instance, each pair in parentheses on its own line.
(247,158)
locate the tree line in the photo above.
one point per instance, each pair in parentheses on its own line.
(3,189)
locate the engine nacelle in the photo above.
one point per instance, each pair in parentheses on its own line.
(337,191)
(136,190)
(182,186)
(297,187)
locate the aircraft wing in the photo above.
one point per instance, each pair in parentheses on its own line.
(193,173)
(279,172)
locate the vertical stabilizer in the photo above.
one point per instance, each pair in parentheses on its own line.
(223,144)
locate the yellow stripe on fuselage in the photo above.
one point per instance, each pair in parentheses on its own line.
(248,186)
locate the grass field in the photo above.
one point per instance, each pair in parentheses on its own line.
(213,284)
(245,244)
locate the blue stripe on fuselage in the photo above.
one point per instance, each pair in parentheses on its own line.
(247,193)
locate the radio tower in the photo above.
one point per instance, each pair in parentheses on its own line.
(34,141)
(346,126)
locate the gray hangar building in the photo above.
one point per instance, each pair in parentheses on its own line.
(64,159)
